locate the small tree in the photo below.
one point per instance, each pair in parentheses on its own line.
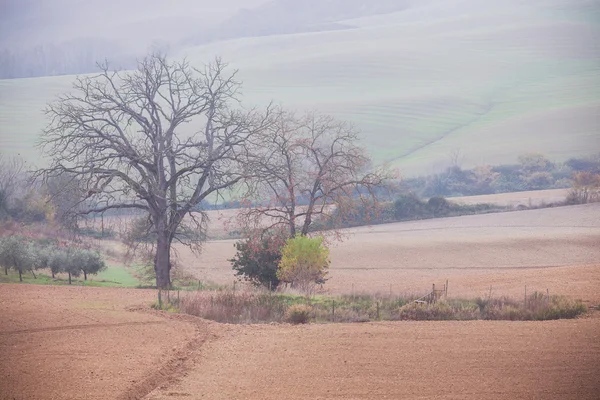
(18,253)
(304,263)
(257,258)
(91,263)
(57,261)
(74,260)
(585,189)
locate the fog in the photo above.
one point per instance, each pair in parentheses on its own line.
(47,37)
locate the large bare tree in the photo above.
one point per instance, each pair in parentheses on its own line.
(310,168)
(158,140)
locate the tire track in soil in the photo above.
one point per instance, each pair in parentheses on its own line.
(86,326)
(177,364)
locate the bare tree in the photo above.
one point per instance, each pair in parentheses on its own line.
(12,177)
(310,168)
(159,139)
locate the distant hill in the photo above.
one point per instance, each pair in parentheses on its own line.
(59,37)
(492,79)
(293,16)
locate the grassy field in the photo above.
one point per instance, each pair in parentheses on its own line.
(113,276)
(493,80)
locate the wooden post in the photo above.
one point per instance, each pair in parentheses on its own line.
(160,299)
(433,293)
(446,289)
(525,296)
(390,290)
(378,310)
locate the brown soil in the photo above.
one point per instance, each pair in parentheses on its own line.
(61,342)
(436,360)
(73,342)
(88,343)
(556,249)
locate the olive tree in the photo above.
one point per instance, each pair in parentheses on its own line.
(158,140)
(18,253)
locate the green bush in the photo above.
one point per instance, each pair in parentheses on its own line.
(257,258)
(298,314)
(304,263)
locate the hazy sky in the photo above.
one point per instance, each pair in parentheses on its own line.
(31,22)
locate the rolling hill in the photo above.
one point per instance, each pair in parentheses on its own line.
(494,79)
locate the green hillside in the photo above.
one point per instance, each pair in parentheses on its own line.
(494,79)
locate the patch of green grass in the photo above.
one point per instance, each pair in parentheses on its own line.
(113,276)
(117,275)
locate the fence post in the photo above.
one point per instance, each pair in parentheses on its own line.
(433,293)
(525,296)
(446,289)
(378,310)
(160,299)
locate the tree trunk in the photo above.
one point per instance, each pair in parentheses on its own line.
(85,275)
(5,270)
(162,261)
(52,274)
(69,278)
(33,273)
(20,275)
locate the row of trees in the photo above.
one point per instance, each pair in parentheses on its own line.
(25,255)
(532,172)
(167,137)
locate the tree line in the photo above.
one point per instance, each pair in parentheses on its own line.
(25,255)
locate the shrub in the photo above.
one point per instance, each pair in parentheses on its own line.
(585,189)
(304,262)
(298,314)
(439,311)
(438,206)
(539,307)
(257,258)
(410,206)
(234,307)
